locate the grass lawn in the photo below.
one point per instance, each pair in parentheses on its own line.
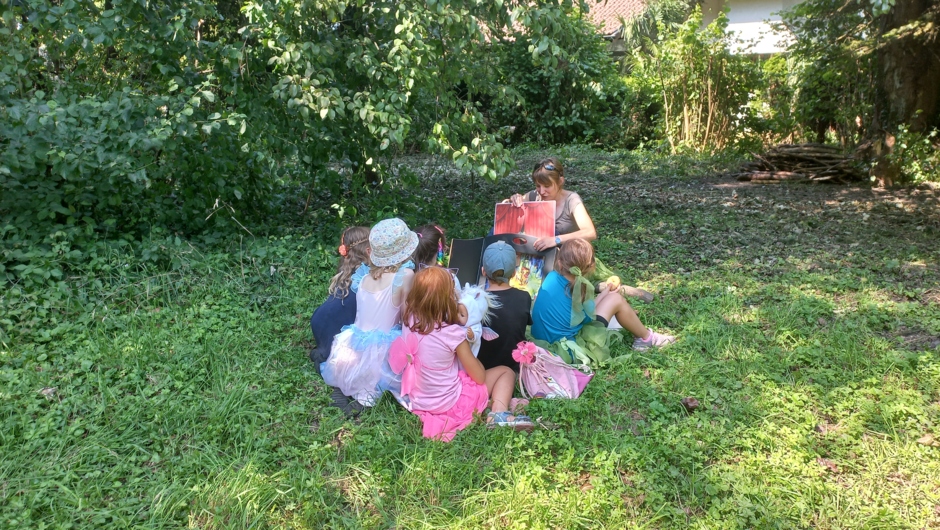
(175,391)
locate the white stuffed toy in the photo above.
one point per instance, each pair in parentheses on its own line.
(478,302)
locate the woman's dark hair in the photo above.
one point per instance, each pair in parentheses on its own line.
(431,245)
(548,172)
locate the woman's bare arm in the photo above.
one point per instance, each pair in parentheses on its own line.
(585,230)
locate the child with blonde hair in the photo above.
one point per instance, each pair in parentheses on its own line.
(339,309)
(359,356)
(571,322)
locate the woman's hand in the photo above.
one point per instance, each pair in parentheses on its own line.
(516,200)
(544,243)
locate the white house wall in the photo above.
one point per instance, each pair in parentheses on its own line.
(747,20)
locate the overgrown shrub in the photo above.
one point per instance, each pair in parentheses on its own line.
(556,86)
(705,89)
(917,154)
(773,105)
(640,111)
(833,60)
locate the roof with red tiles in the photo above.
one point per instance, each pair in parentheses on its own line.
(607,13)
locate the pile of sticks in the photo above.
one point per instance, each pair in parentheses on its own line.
(811,162)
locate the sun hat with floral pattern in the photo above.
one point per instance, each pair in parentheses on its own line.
(392,242)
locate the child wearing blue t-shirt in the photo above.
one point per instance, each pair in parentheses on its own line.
(566,307)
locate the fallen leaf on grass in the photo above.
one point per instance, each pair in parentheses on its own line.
(828,464)
(928,440)
(826,428)
(545,424)
(690,404)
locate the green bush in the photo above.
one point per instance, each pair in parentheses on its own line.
(773,106)
(833,61)
(557,86)
(918,155)
(704,89)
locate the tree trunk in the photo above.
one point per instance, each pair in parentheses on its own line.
(909,63)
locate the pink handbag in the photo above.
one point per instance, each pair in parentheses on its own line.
(543,374)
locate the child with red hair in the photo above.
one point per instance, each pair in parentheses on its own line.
(444,383)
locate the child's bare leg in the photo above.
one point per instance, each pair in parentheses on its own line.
(500,382)
(612,305)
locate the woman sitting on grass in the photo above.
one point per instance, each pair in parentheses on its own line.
(572,220)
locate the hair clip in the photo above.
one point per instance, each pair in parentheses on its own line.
(549,167)
(342,250)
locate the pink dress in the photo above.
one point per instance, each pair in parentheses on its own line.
(358,361)
(442,395)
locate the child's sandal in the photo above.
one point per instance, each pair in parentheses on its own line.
(506,419)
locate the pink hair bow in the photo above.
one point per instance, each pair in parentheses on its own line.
(403,359)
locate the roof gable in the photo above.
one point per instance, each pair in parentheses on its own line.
(607,14)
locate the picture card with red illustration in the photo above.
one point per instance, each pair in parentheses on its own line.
(535,219)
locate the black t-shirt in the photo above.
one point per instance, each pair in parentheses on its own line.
(509,321)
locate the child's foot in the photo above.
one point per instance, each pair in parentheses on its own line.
(655,339)
(636,292)
(506,419)
(350,407)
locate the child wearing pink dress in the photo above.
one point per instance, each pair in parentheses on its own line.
(444,396)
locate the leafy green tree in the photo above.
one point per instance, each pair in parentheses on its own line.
(556,85)
(833,66)
(870,70)
(705,89)
(123,115)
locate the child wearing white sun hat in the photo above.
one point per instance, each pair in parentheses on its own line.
(358,361)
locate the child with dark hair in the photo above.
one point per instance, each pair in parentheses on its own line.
(431,245)
(565,310)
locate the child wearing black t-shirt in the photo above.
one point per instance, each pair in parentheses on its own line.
(509,322)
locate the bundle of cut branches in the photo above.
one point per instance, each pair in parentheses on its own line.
(813,162)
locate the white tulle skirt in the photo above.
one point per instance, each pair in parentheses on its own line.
(358,364)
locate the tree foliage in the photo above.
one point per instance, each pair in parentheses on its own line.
(833,59)
(869,70)
(558,85)
(704,87)
(126,114)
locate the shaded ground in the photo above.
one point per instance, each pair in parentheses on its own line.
(809,329)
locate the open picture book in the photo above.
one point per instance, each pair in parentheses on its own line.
(537,219)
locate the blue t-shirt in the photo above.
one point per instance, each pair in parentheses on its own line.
(551,314)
